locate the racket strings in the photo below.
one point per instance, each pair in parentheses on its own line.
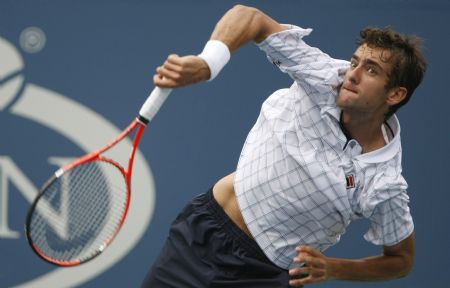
(79,212)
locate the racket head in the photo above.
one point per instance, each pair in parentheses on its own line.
(78,212)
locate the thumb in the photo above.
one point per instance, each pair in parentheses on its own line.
(310,250)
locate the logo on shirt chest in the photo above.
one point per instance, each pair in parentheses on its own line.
(350,179)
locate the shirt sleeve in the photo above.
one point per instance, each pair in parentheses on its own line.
(311,68)
(390,219)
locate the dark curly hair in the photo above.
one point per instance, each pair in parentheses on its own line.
(409,64)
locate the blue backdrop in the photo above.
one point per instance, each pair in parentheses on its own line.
(100,56)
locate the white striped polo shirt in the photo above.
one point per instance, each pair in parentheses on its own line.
(299,181)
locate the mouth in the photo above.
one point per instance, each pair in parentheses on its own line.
(350,89)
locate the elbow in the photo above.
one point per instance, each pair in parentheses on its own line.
(252,15)
(407,267)
(244,10)
(401,257)
(407,263)
(257,22)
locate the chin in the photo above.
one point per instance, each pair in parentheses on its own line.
(341,100)
(345,98)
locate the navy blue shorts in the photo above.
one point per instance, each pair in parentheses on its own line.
(205,248)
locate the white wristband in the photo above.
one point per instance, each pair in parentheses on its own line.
(216,54)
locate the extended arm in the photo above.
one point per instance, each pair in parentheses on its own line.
(238,26)
(395,262)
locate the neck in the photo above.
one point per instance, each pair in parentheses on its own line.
(366,130)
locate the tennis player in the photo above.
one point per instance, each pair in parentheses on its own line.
(323,152)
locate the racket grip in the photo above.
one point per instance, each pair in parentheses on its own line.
(153,103)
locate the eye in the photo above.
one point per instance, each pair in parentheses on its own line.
(353,64)
(372,70)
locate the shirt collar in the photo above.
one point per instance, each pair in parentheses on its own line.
(387,152)
(382,154)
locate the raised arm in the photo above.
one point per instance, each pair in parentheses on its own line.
(238,26)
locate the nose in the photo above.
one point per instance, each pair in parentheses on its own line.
(354,74)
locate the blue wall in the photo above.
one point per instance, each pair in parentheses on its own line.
(102,55)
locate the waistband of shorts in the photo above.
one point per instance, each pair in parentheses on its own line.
(231,228)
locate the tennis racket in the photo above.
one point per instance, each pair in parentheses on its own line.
(81,208)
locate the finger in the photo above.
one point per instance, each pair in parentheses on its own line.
(309,250)
(160,81)
(299,282)
(300,271)
(166,73)
(172,67)
(307,280)
(295,283)
(174,59)
(310,260)
(304,258)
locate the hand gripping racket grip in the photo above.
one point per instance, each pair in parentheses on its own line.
(153,103)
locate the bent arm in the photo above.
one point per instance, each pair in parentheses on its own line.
(395,262)
(238,26)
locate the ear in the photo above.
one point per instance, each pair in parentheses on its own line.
(396,95)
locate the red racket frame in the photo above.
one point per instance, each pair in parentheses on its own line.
(96,156)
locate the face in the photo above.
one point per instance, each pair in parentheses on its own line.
(363,89)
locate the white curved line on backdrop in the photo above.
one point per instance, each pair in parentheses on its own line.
(63,115)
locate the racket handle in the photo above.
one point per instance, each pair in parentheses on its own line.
(153,103)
